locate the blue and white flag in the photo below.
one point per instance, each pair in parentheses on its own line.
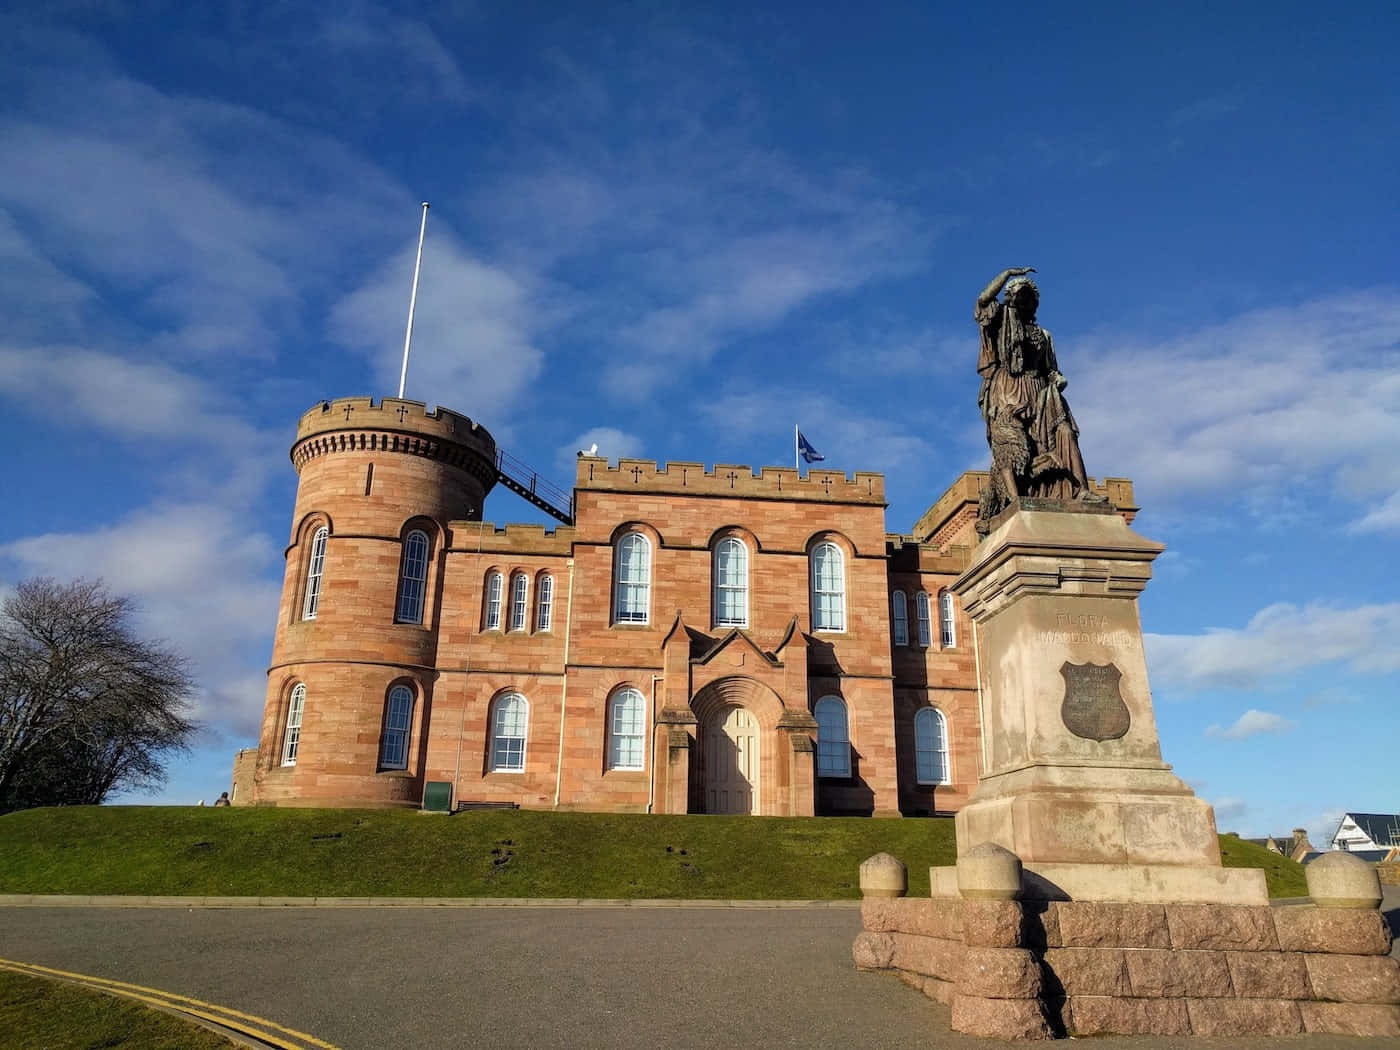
(809,454)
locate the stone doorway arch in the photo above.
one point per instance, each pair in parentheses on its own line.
(739,767)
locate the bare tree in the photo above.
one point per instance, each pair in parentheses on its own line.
(86,707)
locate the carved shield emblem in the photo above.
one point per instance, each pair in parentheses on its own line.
(1093,706)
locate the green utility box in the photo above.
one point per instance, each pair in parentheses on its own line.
(437,796)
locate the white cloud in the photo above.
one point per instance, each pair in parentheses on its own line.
(1251,408)
(200,580)
(1280,639)
(1227,809)
(472,332)
(1384,517)
(1252,723)
(612,444)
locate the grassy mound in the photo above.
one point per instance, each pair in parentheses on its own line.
(59,1016)
(1284,876)
(397,853)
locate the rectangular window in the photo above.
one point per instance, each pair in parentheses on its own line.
(313,574)
(545,600)
(493,602)
(519,601)
(901,619)
(292,740)
(508,739)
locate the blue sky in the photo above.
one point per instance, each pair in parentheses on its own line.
(675,234)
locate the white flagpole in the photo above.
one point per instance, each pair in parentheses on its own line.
(413,298)
(796,455)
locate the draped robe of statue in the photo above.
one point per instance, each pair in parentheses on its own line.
(1029,425)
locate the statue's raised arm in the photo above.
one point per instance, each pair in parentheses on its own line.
(1032,433)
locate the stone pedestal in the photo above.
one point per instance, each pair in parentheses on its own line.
(1073,780)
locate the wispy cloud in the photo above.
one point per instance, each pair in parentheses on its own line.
(612,444)
(1252,723)
(1251,406)
(1228,809)
(1280,639)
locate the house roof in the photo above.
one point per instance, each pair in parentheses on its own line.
(1380,828)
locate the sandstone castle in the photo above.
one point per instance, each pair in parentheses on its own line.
(685,641)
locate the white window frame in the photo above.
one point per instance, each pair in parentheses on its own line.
(315,569)
(413,578)
(491,616)
(831,618)
(291,739)
(512,760)
(925,618)
(632,594)
(627,730)
(544,602)
(519,601)
(736,590)
(931,730)
(398,723)
(900,606)
(833,737)
(947,631)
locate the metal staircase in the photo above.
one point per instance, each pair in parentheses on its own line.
(527,483)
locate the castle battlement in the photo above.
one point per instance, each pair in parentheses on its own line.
(360,424)
(692,479)
(469,537)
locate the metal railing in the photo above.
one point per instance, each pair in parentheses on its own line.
(527,483)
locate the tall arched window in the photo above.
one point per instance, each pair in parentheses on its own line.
(510,719)
(626,730)
(833,738)
(544,603)
(633,576)
(828,589)
(925,624)
(491,615)
(731,576)
(945,619)
(413,578)
(314,569)
(519,601)
(900,606)
(398,717)
(931,746)
(291,740)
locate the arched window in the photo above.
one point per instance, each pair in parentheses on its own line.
(491,615)
(544,603)
(901,618)
(292,739)
(833,738)
(925,624)
(945,619)
(931,746)
(509,721)
(626,730)
(633,575)
(398,717)
(413,578)
(519,601)
(315,567)
(828,589)
(731,576)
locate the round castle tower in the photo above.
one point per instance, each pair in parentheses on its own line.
(353,661)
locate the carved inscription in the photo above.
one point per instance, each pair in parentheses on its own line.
(1084,629)
(1093,707)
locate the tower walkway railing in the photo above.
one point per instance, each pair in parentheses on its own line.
(527,483)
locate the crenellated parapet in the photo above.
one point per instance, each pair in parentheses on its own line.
(516,538)
(395,425)
(906,554)
(725,480)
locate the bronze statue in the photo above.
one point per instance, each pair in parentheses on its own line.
(1031,431)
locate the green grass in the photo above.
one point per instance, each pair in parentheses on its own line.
(397,853)
(1284,876)
(57,1016)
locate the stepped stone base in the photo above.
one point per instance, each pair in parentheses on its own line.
(1155,883)
(1038,969)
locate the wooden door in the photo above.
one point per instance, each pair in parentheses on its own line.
(731,763)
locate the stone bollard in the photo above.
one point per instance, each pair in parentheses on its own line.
(989,872)
(1339,880)
(883,876)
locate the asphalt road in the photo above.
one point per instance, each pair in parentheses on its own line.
(518,977)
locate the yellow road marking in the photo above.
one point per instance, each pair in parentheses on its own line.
(249,1024)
